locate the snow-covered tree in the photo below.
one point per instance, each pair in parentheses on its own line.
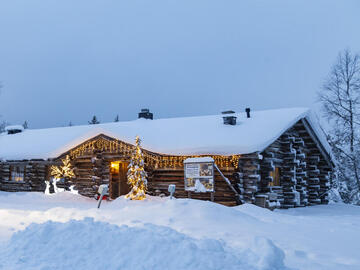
(340,97)
(25,125)
(116,118)
(3,124)
(94,121)
(136,174)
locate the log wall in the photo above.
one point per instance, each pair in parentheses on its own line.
(93,170)
(305,173)
(250,176)
(159,179)
(35,175)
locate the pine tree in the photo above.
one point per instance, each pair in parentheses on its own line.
(116,118)
(94,121)
(136,174)
(25,125)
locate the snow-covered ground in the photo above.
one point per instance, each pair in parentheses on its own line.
(67,231)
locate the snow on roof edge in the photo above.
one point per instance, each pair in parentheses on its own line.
(14,127)
(308,114)
(293,122)
(319,133)
(199,159)
(213,145)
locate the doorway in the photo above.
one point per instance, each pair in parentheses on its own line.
(118,179)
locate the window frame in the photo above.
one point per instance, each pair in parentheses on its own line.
(276,176)
(17,173)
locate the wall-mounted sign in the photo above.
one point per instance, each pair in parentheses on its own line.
(199,174)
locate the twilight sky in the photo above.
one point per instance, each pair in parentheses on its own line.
(67,60)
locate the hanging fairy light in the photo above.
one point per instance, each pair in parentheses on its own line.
(152,159)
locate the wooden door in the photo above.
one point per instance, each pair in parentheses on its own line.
(118,180)
(124,187)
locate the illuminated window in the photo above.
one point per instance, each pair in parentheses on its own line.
(17,173)
(114,167)
(276,177)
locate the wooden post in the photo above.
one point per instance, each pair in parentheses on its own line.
(226,180)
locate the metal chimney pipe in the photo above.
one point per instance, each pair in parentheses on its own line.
(247,110)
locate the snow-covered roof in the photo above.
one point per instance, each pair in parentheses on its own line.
(200,135)
(14,127)
(199,160)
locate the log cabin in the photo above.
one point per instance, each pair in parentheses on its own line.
(272,158)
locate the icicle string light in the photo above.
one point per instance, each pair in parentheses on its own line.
(151,159)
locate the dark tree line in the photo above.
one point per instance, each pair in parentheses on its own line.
(94,120)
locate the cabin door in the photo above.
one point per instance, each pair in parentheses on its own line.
(118,179)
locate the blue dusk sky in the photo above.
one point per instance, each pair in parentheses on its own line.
(67,60)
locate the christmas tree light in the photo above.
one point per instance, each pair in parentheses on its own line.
(136,174)
(64,171)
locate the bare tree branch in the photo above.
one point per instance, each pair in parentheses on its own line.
(340,98)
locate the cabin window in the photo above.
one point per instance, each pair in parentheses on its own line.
(17,173)
(275,174)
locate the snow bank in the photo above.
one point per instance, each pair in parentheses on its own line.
(88,244)
(323,237)
(42,201)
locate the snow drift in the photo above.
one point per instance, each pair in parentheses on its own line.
(323,237)
(88,244)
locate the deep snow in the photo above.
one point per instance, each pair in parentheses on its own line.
(180,233)
(95,245)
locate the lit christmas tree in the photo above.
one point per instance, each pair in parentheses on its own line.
(136,174)
(65,172)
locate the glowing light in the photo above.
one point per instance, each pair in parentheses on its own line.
(136,174)
(64,171)
(151,159)
(114,167)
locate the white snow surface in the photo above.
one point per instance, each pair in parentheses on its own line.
(199,135)
(199,159)
(100,245)
(67,231)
